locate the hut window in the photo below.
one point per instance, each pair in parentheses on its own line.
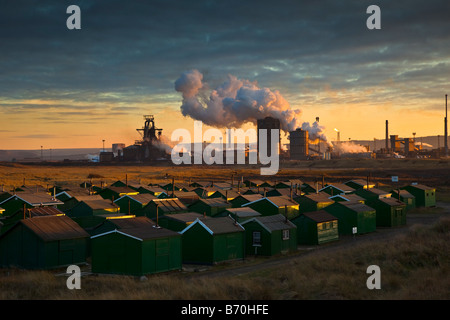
(285,234)
(256,238)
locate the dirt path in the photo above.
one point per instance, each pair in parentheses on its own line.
(381,234)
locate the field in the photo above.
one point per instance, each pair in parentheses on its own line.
(431,171)
(414,260)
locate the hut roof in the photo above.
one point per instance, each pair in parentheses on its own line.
(277,201)
(185,216)
(169,204)
(348,197)
(118,189)
(244,212)
(142,198)
(217,225)
(361,182)
(142,233)
(318,197)
(403,193)
(273,223)
(36,199)
(421,186)
(391,202)
(45,211)
(340,186)
(251,197)
(50,228)
(100,204)
(356,206)
(320,216)
(215,202)
(134,222)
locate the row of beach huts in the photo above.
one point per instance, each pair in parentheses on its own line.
(135,229)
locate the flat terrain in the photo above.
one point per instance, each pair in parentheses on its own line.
(413,259)
(435,172)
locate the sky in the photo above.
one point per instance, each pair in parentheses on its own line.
(62,88)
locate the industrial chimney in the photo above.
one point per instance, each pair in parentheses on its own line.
(387,136)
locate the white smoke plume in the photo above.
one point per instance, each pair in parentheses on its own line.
(233,103)
(164,144)
(315,132)
(349,147)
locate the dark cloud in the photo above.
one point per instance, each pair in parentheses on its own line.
(142,46)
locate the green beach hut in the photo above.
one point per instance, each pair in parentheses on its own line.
(405,197)
(425,195)
(242,213)
(316,227)
(158,207)
(353,217)
(178,221)
(132,203)
(136,251)
(270,235)
(211,206)
(213,240)
(313,201)
(390,212)
(43,242)
(275,205)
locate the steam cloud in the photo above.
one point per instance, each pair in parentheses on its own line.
(234,103)
(349,147)
(315,132)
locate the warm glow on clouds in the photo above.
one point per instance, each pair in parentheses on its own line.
(64,88)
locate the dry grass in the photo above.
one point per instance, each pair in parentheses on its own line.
(432,171)
(414,266)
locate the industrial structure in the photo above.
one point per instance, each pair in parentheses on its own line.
(146,149)
(299,144)
(300,147)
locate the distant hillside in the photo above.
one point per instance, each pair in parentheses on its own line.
(48,155)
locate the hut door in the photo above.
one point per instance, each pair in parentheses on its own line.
(65,252)
(162,255)
(231,247)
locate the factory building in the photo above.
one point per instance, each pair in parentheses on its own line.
(148,148)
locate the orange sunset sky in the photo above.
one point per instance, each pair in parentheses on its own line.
(63,88)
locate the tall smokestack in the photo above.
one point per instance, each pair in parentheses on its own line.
(387,136)
(445,129)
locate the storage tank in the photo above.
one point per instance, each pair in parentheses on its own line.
(299,145)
